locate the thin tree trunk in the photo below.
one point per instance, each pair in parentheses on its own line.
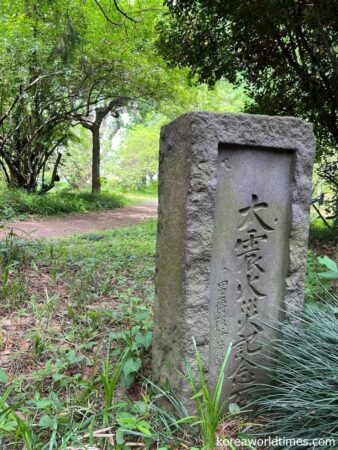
(96,177)
(54,174)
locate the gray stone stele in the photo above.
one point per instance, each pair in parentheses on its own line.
(234,199)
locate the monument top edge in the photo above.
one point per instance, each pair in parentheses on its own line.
(244,116)
(283,132)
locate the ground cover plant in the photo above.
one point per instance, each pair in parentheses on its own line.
(321,233)
(301,401)
(16,204)
(75,333)
(211,409)
(72,313)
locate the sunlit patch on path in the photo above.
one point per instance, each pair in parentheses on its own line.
(68,225)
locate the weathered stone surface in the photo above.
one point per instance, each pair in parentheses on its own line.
(234,197)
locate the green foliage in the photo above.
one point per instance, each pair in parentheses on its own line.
(14,254)
(321,274)
(320,232)
(110,376)
(324,193)
(130,424)
(83,292)
(284,52)
(13,251)
(313,287)
(302,401)
(35,104)
(12,424)
(137,340)
(65,300)
(210,407)
(136,161)
(54,77)
(74,293)
(332,270)
(76,167)
(18,204)
(328,171)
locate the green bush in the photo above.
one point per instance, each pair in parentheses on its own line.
(320,232)
(302,402)
(17,204)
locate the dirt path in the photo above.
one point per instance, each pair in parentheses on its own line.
(67,225)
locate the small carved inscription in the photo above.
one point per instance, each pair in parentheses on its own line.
(221,323)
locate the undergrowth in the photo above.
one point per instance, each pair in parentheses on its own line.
(75,335)
(321,232)
(17,204)
(302,402)
(62,302)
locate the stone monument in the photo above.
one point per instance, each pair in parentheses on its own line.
(234,198)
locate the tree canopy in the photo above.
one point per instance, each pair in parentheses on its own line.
(60,62)
(284,51)
(136,161)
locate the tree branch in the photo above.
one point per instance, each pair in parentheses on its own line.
(116,24)
(124,13)
(321,216)
(19,96)
(328,46)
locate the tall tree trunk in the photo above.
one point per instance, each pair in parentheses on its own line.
(96,177)
(94,126)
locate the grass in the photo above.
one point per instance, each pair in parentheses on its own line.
(302,400)
(62,302)
(210,406)
(137,197)
(146,194)
(18,205)
(75,333)
(111,376)
(11,422)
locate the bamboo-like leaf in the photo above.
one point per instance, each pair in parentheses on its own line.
(208,405)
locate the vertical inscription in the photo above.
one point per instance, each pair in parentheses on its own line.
(249,260)
(252,233)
